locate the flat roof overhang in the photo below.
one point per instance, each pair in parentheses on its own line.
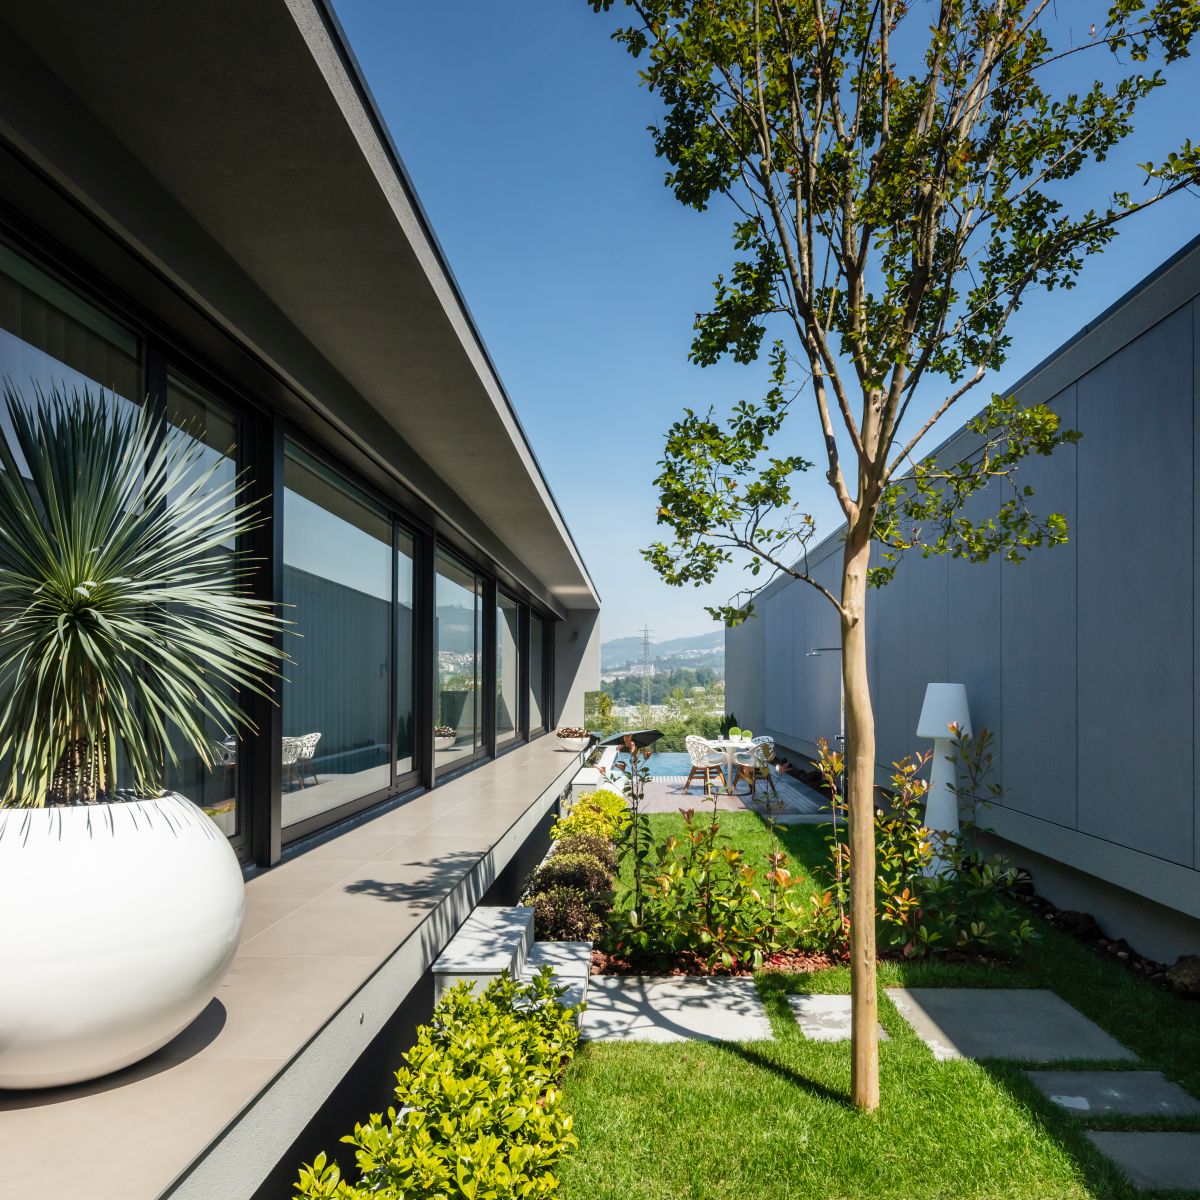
(256,121)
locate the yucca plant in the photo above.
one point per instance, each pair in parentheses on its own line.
(126,623)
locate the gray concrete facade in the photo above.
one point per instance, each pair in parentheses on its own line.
(1081,659)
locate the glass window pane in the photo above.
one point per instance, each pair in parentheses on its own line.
(51,337)
(337,591)
(192,412)
(508,641)
(459,640)
(405,635)
(537,674)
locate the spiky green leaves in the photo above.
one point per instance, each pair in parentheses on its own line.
(126,626)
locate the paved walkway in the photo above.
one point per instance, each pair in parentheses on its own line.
(639,1008)
(1037,1026)
(796,800)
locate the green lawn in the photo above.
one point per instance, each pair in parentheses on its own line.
(804,844)
(770,1120)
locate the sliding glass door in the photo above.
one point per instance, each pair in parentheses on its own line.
(508,670)
(337,593)
(458,642)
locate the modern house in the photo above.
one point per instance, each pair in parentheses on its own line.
(201,210)
(1082,659)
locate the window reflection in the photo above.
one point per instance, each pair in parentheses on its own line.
(459,641)
(406,733)
(191,412)
(337,591)
(537,674)
(508,641)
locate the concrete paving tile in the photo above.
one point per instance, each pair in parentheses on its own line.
(1153,1160)
(645,1009)
(825,1018)
(1129,1093)
(1028,1024)
(167,1110)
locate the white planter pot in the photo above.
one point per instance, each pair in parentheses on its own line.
(573,744)
(119,921)
(443,743)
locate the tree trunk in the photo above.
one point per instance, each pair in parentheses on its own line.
(860,781)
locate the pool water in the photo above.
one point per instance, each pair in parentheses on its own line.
(669,762)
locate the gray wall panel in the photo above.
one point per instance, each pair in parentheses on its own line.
(887,612)
(1082,657)
(974,657)
(1038,634)
(1135,592)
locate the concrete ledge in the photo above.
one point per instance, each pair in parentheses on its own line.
(335,939)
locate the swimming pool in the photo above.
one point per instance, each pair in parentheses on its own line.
(668,763)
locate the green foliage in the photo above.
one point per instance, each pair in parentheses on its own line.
(126,623)
(580,871)
(478,1113)
(592,845)
(678,682)
(676,726)
(924,509)
(567,914)
(966,906)
(597,709)
(899,182)
(704,895)
(600,814)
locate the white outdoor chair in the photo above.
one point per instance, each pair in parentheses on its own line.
(705,762)
(757,764)
(290,748)
(308,747)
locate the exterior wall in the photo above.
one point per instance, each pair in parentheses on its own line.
(1080,659)
(576,665)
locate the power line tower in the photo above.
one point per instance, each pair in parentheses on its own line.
(646,672)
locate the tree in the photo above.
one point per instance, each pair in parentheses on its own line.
(898,191)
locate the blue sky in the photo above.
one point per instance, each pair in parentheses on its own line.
(524,130)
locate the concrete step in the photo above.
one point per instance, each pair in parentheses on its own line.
(489,941)
(571,963)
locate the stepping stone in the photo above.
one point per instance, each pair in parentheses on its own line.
(677,1009)
(1129,1093)
(1020,1023)
(1153,1160)
(825,1018)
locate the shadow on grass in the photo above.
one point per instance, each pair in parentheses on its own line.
(764,1062)
(1102,1177)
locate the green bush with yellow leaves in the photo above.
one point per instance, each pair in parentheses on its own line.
(478,1112)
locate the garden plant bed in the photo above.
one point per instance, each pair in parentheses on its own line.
(792,961)
(772,1119)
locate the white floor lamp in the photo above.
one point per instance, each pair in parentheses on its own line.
(945,705)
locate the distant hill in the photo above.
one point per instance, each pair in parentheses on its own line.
(704,649)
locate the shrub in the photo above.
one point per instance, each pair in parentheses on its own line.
(703,896)
(580,871)
(478,1109)
(591,844)
(602,813)
(565,914)
(967,906)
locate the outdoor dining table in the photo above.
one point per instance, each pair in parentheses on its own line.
(731,747)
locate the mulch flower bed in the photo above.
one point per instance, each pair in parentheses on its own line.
(688,963)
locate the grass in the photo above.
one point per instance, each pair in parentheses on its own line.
(770,1120)
(804,844)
